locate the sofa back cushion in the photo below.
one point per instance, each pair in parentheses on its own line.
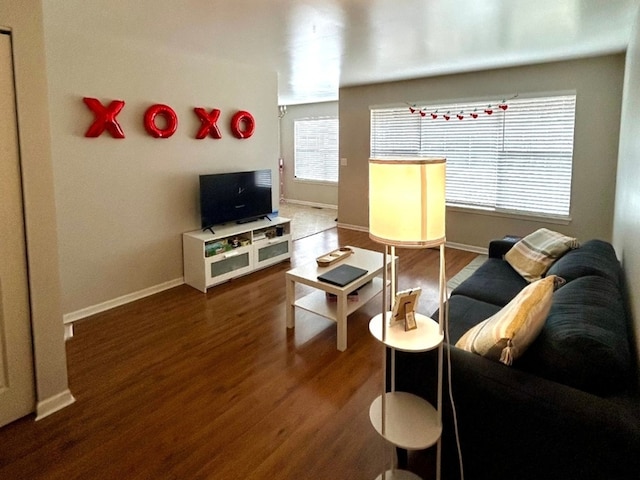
(584,342)
(493,282)
(532,256)
(594,257)
(464,313)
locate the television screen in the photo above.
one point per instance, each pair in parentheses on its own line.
(234,197)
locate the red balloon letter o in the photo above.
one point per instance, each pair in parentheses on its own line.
(240,118)
(170,118)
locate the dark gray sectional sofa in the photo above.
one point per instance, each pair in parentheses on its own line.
(569,407)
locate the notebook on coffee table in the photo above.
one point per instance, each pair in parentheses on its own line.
(342,275)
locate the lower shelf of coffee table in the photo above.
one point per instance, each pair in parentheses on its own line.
(317,301)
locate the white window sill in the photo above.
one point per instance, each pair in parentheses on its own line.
(315,182)
(518,216)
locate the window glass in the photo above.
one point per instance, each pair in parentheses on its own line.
(316,149)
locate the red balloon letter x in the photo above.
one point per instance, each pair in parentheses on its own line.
(208,120)
(105,118)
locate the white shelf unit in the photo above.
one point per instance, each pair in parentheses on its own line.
(401,418)
(410,422)
(232,250)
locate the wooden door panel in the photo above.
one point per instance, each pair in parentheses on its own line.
(16,356)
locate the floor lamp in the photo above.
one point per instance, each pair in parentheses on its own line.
(407,210)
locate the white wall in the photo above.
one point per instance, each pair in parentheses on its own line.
(626,232)
(123,203)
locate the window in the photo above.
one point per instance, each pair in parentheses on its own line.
(316,149)
(517,160)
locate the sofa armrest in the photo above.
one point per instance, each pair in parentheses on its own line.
(517,425)
(498,248)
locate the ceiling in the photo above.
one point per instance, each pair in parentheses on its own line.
(317,46)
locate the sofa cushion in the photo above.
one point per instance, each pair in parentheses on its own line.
(584,342)
(507,334)
(594,257)
(466,312)
(532,256)
(493,282)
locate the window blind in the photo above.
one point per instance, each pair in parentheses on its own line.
(517,160)
(316,149)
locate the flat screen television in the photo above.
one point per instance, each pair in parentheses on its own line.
(234,197)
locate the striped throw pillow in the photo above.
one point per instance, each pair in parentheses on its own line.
(507,334)
(532,256)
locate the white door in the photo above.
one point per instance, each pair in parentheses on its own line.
(16,357)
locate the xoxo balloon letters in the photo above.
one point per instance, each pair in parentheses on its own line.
(242,124)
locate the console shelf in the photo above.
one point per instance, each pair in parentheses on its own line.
(227,251)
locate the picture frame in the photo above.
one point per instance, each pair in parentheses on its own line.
(404,308)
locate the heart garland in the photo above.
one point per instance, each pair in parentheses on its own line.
(503,105)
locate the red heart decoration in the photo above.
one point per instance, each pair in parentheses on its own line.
(412,110)
(447,117)
(422,114)
(474,115)
(460,117)
(434,116)
(503,106)
(488,111)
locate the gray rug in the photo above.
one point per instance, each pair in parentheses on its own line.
(466,272)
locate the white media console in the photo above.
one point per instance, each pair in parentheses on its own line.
(234,250)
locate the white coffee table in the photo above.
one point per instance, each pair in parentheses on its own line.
(339,309)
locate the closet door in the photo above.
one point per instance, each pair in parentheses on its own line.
(16,357)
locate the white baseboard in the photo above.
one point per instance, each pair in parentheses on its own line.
(68,331)
(309,204)
(51,405)
(468,248)
(116,302)
(353,227)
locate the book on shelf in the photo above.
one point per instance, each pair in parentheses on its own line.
(352,297)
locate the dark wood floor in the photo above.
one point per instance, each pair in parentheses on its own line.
(186,385)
